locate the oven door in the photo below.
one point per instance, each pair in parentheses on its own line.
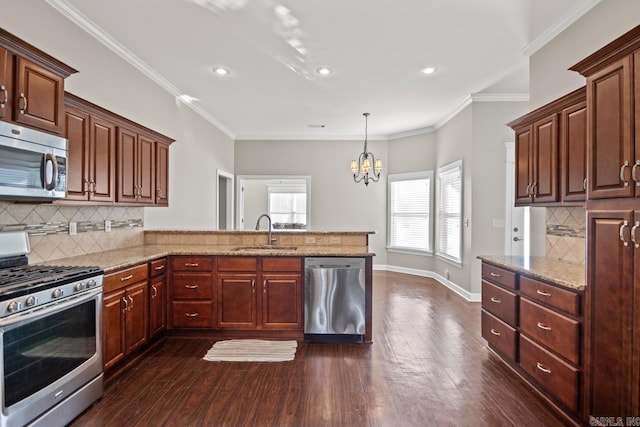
(47,354)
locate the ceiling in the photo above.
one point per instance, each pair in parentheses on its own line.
(375,48)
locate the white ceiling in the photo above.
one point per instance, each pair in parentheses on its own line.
(375,47)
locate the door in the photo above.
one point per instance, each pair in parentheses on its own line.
(137,315)
(5,86)
(162,174)
(636,176)
(516,235)
(39,96)
(237,301)
(609,313)
(609,131)
(282,301)
(76,130)
(573,126)
(145,164)
(102,163)
(126,164)
(544,160)
(113,319)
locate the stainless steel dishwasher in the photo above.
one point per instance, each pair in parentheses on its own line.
(334,299)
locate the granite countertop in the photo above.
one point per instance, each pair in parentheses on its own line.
(117,259)
(561,273)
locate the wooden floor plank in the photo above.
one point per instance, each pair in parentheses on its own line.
(428,365)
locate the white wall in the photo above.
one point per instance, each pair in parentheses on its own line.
(337,203)
(112,83)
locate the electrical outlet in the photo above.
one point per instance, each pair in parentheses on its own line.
(310,240)
(334,240)
(498,223)
(73,228)
(107,226)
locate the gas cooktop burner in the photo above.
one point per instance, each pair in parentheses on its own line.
(17,281)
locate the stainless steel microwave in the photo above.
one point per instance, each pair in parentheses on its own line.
(33,164)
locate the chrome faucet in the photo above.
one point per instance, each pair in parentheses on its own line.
(269,239)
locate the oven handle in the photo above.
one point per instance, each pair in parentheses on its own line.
(48,309)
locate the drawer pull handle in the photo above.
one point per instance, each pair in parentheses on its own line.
(496,300)
(131,299)
(543,368)
(543,293)
(543,326)
(125,278)
(625,183)
(191,286)
(624,225)
(494,332)
(191,315)
(160,267)
(191,264)
(495,274)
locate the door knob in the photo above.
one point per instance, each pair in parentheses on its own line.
(517,239)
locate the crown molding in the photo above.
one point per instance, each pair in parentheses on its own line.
(309,138)
(561,25)
(500,97)
(413,132)
(90,27)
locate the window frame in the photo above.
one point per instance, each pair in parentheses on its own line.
(442,170)
(410,176)
(287,189)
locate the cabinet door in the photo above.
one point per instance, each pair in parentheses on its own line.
(102,137)
(282,301)
(5,86)
(39,96)
(76,130)
(113,320)
(609,313)
(157,306)
(146,169)
(126,165)
(574,152)
(609,128)
(636,68)
(162,174)
(237,301)
(137,316)
(523,173)
(545,160)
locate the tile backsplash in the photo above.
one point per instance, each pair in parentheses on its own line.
(48,228)
(565,235)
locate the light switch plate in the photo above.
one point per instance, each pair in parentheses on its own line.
(107,226)
(73,228)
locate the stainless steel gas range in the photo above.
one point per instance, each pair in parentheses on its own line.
(50,338)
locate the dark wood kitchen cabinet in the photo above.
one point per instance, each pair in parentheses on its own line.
(136,167)
(191,292)
(281,293)
(162,174)
(157,297)
(550,160)
(125,313)
(31,85)
(91,152)
(237,287)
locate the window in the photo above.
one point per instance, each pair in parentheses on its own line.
(450,211)
(410,212)
(288,206)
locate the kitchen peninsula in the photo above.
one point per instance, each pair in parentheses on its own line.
(213,283)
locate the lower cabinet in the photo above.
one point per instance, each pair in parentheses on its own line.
(125,313)
(157,298)
(191,292)
(536,328)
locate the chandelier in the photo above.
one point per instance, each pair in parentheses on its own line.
(361,168)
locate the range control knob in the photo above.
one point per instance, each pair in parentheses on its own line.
(78,287)
(31,301)
(57,293)
(91,283)
(13,306)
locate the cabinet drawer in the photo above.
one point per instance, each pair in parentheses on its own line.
(551,329)
(239,263)
(499,275)
(500,302)
(499,335)
(554,375)
(191,286)
(125,277)
(195,263)
(158,267)
(282,264)
(559,298)
(192,314)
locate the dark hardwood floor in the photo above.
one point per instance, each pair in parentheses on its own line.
(428,366)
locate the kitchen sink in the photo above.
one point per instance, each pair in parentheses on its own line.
(264,248)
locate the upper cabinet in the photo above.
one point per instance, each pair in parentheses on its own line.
(136,167)
(31,85)
(613,131)
(550,166)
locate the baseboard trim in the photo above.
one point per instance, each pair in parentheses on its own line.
(469,296)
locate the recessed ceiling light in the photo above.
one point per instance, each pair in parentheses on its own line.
(221,71)
(428,70)
(324,71)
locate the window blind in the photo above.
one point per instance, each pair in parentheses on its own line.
(410,211)
(450,211)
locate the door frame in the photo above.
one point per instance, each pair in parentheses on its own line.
(229,178)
